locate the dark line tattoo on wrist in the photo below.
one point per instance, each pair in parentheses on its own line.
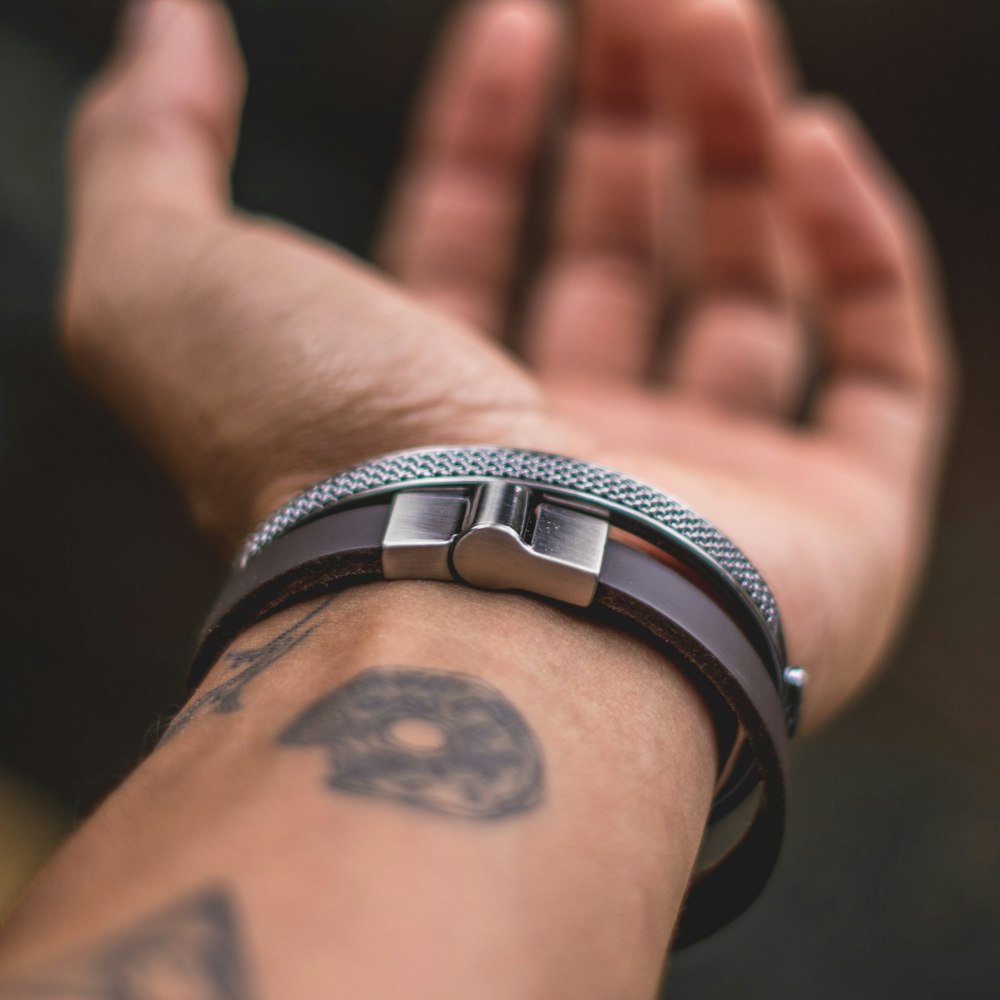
(228,696)
(440,742)
(189,951)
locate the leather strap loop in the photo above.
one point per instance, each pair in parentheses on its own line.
(635,592)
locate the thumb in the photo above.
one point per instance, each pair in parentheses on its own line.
(158,128)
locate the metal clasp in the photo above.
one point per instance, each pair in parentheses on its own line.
(498,538)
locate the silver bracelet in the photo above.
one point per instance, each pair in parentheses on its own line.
(665,518)
(508,519)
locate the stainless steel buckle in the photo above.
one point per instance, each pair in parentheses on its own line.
(497,536)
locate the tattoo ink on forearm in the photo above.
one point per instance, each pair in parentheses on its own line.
(439,742)
(227,697)
(189,951)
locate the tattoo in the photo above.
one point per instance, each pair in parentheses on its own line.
(441,742)
(228,696)
(187,952)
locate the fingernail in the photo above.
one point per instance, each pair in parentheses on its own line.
(144,21)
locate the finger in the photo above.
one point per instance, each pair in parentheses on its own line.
(211,334)
(740,347)
(595,309)
(889,376)
(150,143)
(150,147)
(160,125)
(453,233)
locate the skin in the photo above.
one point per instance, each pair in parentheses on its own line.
(254,360)
(528,875)
(691,180)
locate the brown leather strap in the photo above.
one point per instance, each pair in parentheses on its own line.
(636,592)
(698,634)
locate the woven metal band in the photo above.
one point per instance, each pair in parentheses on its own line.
(504,519)
(448,465)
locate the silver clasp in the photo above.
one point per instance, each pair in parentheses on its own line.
(499,538)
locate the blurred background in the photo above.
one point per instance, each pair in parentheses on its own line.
(890,882)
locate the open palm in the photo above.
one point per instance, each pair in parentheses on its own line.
(691,184)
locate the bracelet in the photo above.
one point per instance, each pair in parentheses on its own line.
(501,518)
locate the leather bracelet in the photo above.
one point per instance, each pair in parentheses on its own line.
(552,540)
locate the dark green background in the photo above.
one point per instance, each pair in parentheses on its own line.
(890,883)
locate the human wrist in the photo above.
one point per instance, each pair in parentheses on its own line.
(504,639)
(603,857)
(538,523)
(629,758)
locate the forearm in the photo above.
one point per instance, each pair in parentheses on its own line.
(531,836)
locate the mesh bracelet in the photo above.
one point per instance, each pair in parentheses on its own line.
(502,518)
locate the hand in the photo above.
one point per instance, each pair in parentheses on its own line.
(250,358)
(254,360)
(695,181)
